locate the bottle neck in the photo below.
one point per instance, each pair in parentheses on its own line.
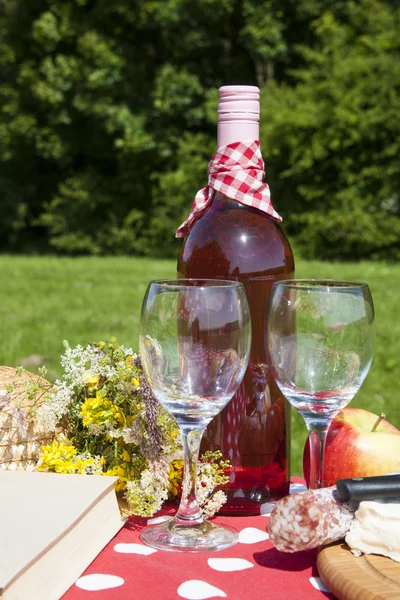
(236,131)
(238,114)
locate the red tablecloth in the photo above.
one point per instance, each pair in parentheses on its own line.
(251,570)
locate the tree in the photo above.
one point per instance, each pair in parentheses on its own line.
(332,140)
(108,112)
(97,100)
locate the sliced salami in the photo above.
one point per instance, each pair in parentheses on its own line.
(305,520)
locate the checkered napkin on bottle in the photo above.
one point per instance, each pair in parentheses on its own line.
(237,171)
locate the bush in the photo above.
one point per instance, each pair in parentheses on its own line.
(332,140)
(108,113)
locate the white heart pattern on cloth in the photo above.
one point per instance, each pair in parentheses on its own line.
(195,589)
(134,549)
(158,520)
(99,581)
(252,535)
(319,584)
(297,487)
(229,564)
(266,508)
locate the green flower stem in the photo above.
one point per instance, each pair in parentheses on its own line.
(189,511)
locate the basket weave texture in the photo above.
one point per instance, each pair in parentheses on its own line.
(20,438)
(20,451)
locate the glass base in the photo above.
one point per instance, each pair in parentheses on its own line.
(205,537)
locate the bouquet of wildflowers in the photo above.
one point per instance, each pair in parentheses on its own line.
(107,421)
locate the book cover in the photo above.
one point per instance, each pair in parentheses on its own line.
(52,527)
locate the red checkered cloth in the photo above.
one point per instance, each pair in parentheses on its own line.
(237,171)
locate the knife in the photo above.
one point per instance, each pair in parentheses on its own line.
(383,488)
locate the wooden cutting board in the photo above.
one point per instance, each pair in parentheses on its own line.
(367,577)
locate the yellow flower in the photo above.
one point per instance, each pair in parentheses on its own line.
(80,465)
(136,381)
(125,456)
(62,458)
(58,449)
(91,382)
(100,411)
(118,471)
(124,472)
(172,434)
(175,477)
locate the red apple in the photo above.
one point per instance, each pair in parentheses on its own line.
(354,449)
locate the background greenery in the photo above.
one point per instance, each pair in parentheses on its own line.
(46,300)
(108,110)
(108,120)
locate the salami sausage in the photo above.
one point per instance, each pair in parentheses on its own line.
(305,520)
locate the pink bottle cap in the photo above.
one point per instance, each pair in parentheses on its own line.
(239,102)
(238,114)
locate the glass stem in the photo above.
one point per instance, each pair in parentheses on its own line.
(189,511)
(317,432)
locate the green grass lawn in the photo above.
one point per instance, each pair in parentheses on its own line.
(45,300)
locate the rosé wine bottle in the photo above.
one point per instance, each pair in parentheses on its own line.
(234,241)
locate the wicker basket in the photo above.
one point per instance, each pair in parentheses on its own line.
(20,438)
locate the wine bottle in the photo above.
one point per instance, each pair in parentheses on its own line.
(238,236)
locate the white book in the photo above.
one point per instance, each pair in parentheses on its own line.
(52,526)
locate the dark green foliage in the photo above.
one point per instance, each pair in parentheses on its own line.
(108,112)
(332,141)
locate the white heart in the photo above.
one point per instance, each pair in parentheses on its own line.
(318,584)
(99,581)
(158,520)
(252,535)
(297,487)
(229,564)
(195,589)
(133,549)
(239,494)
(266,509)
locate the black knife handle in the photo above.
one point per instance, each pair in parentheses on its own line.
(384,488)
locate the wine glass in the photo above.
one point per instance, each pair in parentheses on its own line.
(320,341)
(194,344)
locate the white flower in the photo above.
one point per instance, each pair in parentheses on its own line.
(56,405)
(212,506)
(125,433)
(96,468)
(80,364)
(147,495)
(128,352)
(95,429)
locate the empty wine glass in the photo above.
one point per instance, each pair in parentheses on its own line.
(320,341)
(194,344)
